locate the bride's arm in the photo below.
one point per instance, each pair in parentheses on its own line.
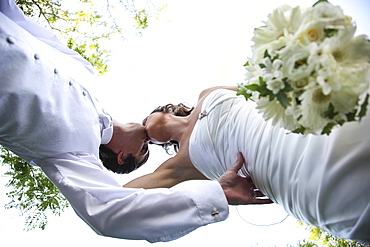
(173,171)
(153,180)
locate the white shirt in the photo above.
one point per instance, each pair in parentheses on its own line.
(49,119)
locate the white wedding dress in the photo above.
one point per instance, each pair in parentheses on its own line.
(321,180)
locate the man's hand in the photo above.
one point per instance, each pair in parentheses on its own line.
(239,190)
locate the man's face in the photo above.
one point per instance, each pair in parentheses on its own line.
(136,141)
(143,155)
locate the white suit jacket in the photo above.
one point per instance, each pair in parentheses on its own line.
(49,119)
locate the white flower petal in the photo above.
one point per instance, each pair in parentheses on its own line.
(315,51)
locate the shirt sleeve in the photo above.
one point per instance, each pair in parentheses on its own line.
(154,215)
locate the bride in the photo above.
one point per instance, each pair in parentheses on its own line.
(323,181)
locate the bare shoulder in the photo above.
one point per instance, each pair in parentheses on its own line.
(207,91)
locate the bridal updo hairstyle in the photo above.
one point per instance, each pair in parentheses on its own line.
(177,110)
(109,159)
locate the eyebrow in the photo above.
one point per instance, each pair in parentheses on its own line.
(144,158)
(144,121)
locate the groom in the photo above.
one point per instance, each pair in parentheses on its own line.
(49,119)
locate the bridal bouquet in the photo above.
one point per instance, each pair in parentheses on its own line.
(308,72)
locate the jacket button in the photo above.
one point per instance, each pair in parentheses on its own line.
(36,56)
(56,71)
(10,40)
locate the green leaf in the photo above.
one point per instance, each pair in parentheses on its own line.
(283,99)
(320,2)
(327,129)
(330,113)
(351,116)
(262,81)
(246,64)
(341,122)
(243,91)
(266,54)
(299,130)
(330,32)
(253,87)
(364,107)
(271,96)
(275,57)
(320,237)
(265,92)
(287,86)
(32,193)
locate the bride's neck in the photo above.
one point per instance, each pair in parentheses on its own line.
(177,127)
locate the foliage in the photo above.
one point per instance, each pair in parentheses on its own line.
(86,24)
(32,193)
(48,10)
(319,238)
(70,26)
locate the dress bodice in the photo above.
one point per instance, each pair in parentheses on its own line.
(307,175)
(214,142)
(229,124)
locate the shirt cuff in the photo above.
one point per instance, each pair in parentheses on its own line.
(210,203)
(209,198)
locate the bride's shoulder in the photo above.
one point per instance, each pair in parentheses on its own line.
(207,91)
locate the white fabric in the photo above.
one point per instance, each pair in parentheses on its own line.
(321,180)
(49,119)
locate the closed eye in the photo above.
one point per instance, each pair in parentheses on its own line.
(144,149)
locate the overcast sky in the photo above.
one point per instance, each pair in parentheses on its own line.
(197,44)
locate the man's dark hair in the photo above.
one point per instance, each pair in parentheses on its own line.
(109,159)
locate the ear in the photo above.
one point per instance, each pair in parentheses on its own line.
(121,157)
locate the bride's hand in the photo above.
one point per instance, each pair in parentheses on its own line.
(239,190)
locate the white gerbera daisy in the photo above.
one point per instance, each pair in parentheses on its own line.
(355,52)
(314,104)
(274,111)
(344,101)
(284,18)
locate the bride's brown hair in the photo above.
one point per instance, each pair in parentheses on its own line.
(178,110)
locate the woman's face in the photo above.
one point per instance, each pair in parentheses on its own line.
(155,125)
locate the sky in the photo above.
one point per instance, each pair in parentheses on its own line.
(194,45)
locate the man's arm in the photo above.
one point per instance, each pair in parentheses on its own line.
(153,215)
